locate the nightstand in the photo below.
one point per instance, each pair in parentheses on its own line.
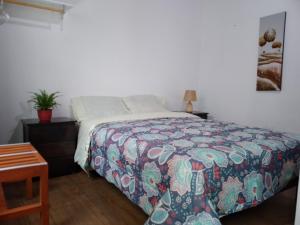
(55,141)
(202,115)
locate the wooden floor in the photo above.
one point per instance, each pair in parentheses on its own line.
(79,200)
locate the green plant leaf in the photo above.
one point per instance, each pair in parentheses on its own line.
(43,101)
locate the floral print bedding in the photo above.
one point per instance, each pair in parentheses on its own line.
(187,171)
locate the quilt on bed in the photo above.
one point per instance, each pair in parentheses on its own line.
(189,171)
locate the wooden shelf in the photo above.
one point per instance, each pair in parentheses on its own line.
(56,6)
(44,14)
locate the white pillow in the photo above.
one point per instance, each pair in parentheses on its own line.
(145,104)
(88,107)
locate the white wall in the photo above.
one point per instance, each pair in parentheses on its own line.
(128,47)
(227,86)
(113,47)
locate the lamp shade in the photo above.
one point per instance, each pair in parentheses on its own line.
(190,95)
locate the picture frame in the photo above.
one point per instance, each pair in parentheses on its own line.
(271,52)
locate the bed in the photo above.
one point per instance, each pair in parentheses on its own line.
(181,169)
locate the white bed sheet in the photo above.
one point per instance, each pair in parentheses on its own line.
(86,127)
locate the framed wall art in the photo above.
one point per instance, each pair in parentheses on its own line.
(270,52)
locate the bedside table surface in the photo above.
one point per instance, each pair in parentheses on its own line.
(54,120)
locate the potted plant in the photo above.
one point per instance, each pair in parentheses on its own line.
(44,102)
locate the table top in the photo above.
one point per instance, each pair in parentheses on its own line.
(54,120)
(16,156)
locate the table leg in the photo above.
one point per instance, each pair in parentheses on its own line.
(44,215)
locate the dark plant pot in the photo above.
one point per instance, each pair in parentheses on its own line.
(45,115)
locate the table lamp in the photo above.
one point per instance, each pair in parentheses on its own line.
(189,96)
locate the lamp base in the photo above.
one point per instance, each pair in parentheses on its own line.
(189,107)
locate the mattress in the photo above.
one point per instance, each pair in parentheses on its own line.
(185,170)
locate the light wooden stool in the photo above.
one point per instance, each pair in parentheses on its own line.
(23,162)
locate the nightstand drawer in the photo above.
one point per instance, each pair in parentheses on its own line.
(51,133)
(59,149)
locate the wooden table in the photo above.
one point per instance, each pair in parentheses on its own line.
(23,162)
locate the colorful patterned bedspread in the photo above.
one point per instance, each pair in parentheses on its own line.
(187,171)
